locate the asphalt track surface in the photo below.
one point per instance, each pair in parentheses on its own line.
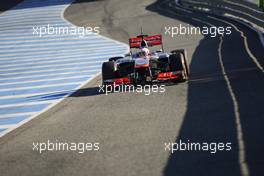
(7,4)
(222,102)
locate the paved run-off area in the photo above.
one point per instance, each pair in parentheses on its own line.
(36,72)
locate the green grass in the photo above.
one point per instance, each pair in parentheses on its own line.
(261,3)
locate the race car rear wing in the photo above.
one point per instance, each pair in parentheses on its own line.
(152,40)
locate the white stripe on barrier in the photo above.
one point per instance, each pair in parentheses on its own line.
(38,87)
(48,56)
(35,94)
(48,74)
(88,50)
(49,67)
(7,126)
(44,62)
(98,47)
(49,38)
(27,104)
(42,80)
(49,70)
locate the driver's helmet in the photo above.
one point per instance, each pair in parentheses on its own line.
(143,52)
(143,44)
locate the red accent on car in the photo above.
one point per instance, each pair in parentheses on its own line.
(119,81)
(169,75)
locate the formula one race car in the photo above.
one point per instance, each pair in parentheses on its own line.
(145,67)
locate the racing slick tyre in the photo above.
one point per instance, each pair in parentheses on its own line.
(186,66)
(183,52)
(108,70)
(177,63)
(185,75)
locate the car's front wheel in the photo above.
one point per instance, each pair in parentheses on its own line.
(108,70)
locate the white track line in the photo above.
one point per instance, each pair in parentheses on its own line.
(237,4)
(242,156)
(251,55)
(249,25)
(255,28)
(241,144)
(251,16)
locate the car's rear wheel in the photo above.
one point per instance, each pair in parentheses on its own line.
(185,75)
(177,62)
(184,53)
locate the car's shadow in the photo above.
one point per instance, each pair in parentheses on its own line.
(85,92)
(94,91)
(211,114)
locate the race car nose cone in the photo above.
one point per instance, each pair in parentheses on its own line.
(141,61)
